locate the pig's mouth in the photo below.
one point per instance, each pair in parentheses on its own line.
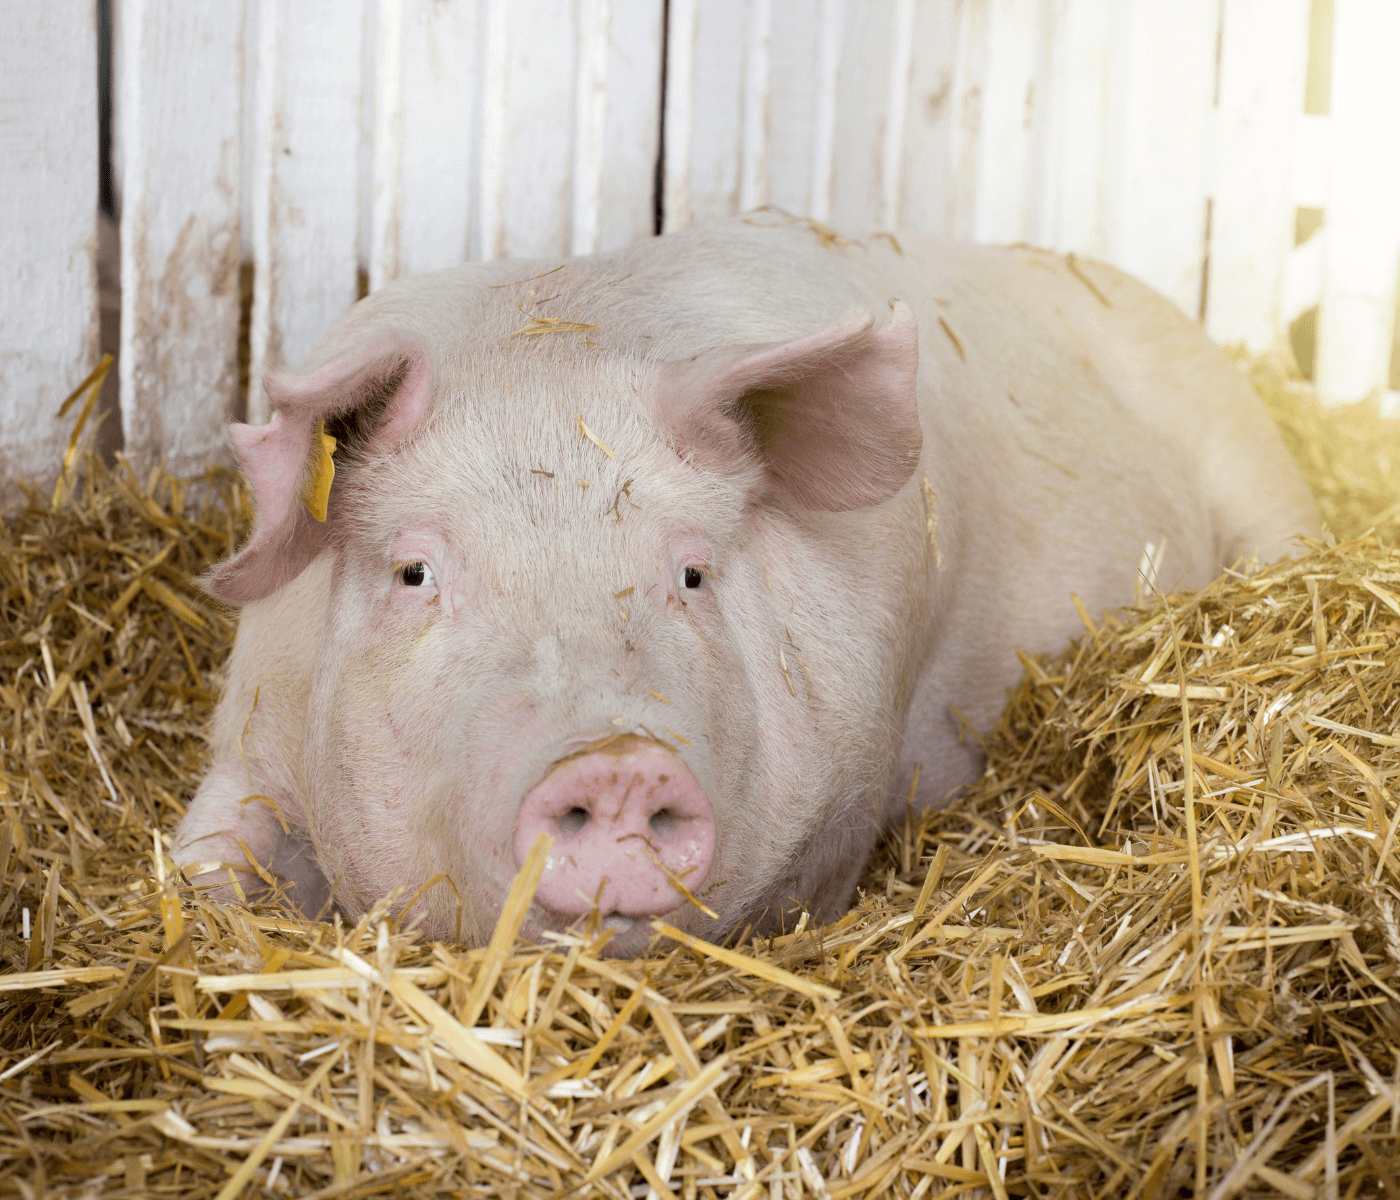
(633,836)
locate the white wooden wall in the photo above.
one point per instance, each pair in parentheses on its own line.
(177,70)
(325,140)
(48,231)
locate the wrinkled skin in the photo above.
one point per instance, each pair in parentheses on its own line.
(887,465)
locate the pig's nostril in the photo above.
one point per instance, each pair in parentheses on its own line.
(663,823)
(572,821)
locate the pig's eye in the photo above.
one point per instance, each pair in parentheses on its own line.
(692,577)
(415,574)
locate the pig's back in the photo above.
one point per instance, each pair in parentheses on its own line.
(1074,421)
(1104,374)
(1160,366)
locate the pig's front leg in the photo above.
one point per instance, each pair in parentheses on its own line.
(228,823)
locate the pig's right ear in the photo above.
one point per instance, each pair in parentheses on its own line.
(831,418)
(371,396)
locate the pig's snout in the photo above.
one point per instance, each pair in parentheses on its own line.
(625,818)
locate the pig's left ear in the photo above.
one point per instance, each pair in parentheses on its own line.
(373,395)
(834,417)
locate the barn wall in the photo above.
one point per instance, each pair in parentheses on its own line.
(337,144)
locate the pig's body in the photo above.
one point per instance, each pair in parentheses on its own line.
(856,583)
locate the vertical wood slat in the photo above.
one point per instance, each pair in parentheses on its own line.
(590,124)
(305,201)
(489,140)
(793,46)
(821,196)
(1162,87)
(744,106)
(1070,214)
(627,99)
(798,105)
(426,89)
(528,130)
(442,80)
(386,141)
(754,116)
(1312,170)
(867,64)
(48,224)
(1264,55)
(179,69)
(1013,101)
(682,33)
(1302,280)
(860,178)
(927,189)
(704,145)
(897,112)
(970,69)
(1362,231)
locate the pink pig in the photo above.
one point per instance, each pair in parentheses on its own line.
(684,555)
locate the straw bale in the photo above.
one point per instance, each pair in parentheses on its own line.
(1155,951)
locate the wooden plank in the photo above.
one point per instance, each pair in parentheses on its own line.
(756,129)
(721,37)
(927,189)
(1068,215)
(364,150)
(790,103)
(1161,91)
(821,196)
(305,182)
(179,70)
(1312,174)
(1362,232)
(1011,119)
(426,137)
(682,34)
(1312,161)
(249,92)
(971,65)
(1302,279)
(386,143)
(625,178)
(897,112)
(442,81)
(1263,65)
(590,123)
(791,86)
(528,130)
(48,224)
(867,72)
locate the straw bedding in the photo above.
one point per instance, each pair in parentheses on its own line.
(1155,952)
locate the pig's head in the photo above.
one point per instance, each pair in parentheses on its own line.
(596,595)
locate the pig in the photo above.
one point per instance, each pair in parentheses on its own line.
(702,557)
